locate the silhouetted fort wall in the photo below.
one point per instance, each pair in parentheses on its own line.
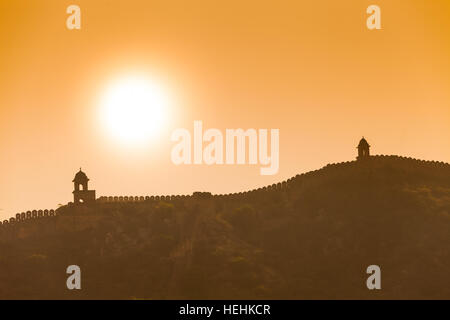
(300,180)
(295,181)
(29,215)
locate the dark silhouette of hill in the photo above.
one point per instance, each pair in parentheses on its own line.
(312,238)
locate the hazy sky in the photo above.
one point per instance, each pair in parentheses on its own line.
(311,69)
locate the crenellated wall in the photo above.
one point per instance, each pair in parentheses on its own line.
(296,181)
(112,199)
(284,185)
(28,215)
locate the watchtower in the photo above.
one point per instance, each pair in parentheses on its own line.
(81,193)
(363,149)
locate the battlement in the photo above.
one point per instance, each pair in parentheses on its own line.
(115,199)
(27,216)
(296,181)
(284,185)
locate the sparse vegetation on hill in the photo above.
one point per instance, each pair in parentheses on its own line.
(312,239)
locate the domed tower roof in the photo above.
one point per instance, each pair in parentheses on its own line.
(363,143)
(80,177)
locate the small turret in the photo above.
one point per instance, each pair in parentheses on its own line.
(363,149)
(81,193)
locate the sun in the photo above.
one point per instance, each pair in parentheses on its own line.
(134,109)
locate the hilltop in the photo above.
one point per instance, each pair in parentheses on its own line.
(312,236)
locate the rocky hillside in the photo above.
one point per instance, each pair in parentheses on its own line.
(312,238)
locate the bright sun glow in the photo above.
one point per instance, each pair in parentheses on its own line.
(134,110)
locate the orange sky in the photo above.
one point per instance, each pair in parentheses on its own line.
(309,68)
